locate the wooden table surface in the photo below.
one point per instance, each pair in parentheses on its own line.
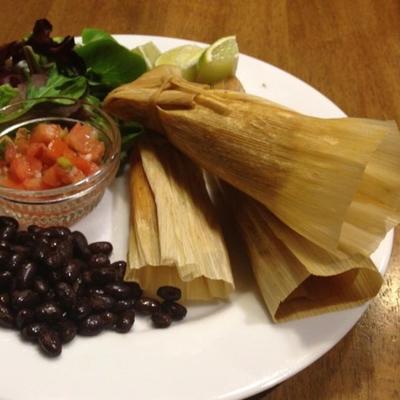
(350,51)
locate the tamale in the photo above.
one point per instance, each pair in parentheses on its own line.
(296,278)
(375,208)
(305,170)
(175,237)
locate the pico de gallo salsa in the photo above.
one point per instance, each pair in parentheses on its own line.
(49,156)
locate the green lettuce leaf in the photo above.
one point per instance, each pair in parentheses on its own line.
(7,93)
(111,63)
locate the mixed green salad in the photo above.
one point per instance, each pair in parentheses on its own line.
(40,67)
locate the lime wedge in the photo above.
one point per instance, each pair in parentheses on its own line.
(185,57)
(149,51)
(219,61)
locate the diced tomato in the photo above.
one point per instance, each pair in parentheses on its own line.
(22,140)
(10,183)
(87,167)
(50,177)
(20,169)
(35,164)
(45,133)
(70,175)
(55,149)
(36,150)
(33,184)
(81,138)
(50,156)
(96,153)
(10,153)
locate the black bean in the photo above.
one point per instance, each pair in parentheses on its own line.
(24,317)
(147,306)
(101,247)
(36,230)
(136,290)
(43,240)
(25,238)
(4,299)
(122,305)
(96,290)
(99,260)
(48,312)
(65,294)
(12,286)
(54,276)
(7,232)
(58,232)
(119,290)
(175,310)
(161,320)
(21,249)
(41,252)
(4,259)
(31,331)
(87,277)
(50,295)
(78,287)
(9,221)
(80,244)
(6,317)
(82,309)
(50,342)
(104,275)
(85,294)
(15,261)
(26,275)
(101,303)
(109,319)
(169,293)
(120,268)
(53,242)
(124,321)
(72,270)
(91,325)
(4,245)
(67,330)
(55,260)
(24,299)
(40,286)
(5,280)
(66,248)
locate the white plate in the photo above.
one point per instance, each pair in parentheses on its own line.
(221,351)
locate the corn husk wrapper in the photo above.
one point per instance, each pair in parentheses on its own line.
(305,170)
(296,278)
(175,237)
(375,208)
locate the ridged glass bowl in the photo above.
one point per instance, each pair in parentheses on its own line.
(67,204)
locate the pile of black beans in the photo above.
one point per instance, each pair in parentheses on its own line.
(55,285)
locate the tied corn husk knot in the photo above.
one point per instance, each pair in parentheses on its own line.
(165,89)
(307,171)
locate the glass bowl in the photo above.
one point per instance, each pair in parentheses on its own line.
(67,204)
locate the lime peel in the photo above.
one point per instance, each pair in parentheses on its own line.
(219,61)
